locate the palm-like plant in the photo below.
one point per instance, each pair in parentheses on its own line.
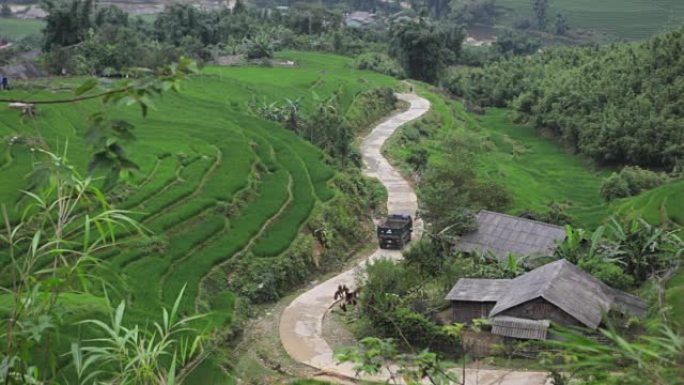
(291,110)
(133,355)
(656,358)
(48,257)
(259,46)
(645,250)
(52,245)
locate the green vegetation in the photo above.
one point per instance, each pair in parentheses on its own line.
(225,193)
(620,19)
(655,205)
(247,182)
(378,62)
(82,37)
(49,306)
(614,104)
(535,171)
(675,298)
(424,48)
(600,116)
(17,29)
(629,182)
(401,300)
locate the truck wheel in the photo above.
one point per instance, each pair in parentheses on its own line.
(381,245)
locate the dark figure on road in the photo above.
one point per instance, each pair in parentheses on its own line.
(348,297)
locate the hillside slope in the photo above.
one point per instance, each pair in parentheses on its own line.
(536,170)
(221,189)
(619,19)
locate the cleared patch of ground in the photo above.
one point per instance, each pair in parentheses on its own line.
(336,330)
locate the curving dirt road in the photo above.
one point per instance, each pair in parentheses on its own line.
(301,323)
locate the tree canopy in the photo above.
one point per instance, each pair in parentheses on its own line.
(424,48)
(617,104)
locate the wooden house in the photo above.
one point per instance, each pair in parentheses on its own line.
(524,307)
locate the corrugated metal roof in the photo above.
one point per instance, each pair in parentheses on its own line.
(520,327)
(479,290)
(502,234)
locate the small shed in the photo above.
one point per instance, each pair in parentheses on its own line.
(502,234)
(524,307)
(475,298)
(520,328)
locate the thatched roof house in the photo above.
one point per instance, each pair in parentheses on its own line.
(502,234)
(523,307)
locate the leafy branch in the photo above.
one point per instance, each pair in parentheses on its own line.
(129,91)
(107,137)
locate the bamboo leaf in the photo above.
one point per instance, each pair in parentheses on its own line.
(86,86)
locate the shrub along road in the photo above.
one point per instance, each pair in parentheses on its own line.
(301,323)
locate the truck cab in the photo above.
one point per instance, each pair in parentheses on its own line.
(394,232)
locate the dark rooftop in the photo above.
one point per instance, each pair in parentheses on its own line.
(561,283)
(502,234)
(479,290)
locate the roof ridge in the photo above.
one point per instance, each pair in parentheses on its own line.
(555,275)
(543,289)
(522,219)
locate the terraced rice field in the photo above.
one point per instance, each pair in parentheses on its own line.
(216,184)
(650,204)
(538,171)
(17,29)
(619,19)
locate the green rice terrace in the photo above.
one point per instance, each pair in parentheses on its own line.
(17,29)
(621,19)
(217,185)
(225,193)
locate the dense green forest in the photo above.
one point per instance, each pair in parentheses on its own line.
(616,104)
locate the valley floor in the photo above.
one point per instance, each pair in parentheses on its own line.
(301,323)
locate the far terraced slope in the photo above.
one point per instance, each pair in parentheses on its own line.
(217,184)
(619,19)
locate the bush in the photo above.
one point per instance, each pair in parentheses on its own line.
(5,10)
(614,187)
(369,106)
(379,62)
(259,47)
(639,179)
(556,214)
(629,182)
(418,159)
(609,273)
(267,279)
(415,327)
(493,195)
(425,256)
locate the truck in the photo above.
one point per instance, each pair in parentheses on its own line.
(395,231)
